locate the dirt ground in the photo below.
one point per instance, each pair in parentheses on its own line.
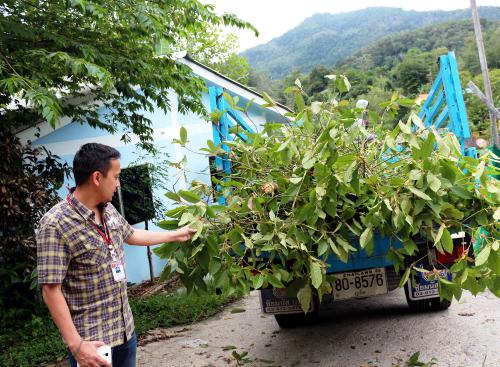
(378,331)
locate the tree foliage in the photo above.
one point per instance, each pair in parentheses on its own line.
(29,178)
(477,112)
(72,57)
(217,50)
(321,187)
(411,75)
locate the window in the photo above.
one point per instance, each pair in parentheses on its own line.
(137,195)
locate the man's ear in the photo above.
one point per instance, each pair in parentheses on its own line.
(96,178)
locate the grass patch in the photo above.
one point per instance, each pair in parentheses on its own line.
(165,310)
(38,340)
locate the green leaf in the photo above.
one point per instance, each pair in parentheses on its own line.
(419,193)
(183,135)
(305,296)
(316,107)
(176,212)
(274,281)
(405,277)
(248,105)
(428,146)
(447,241)
(439,234)
(415,174)
(322,247)
(405,102)
(413,361)
(168,224)
(366,238)
(299,102)
(410,247)
(189,196)
(316,275)
(433,181)
(483,256)
(166,250)
(214,266)
(496,215)
(308,162)
(268,99)
(461,192)
(257,281)
(405,128)
(198,225)
(172,196)
(348,175)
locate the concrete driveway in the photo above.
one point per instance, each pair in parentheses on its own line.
(379,331)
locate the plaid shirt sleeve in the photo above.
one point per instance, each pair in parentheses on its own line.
(127,229)
(53,255)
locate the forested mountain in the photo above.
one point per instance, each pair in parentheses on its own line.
(456,36)
(328,38)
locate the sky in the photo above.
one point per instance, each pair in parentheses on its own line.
(274,17)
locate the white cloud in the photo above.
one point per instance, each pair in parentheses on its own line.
(275,17)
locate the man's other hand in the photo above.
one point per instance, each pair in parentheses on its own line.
(87,355)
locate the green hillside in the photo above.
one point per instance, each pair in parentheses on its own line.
(457,36)
(329,38)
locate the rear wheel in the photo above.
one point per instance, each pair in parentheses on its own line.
(426,305)
(438,305)
(287,321)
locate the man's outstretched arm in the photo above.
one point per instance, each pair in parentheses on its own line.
(141,237)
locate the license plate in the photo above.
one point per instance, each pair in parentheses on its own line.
(359,284)
(276,301)
(426,284)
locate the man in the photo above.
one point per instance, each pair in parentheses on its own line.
(81,262)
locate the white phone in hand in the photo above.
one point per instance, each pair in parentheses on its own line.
(105,352)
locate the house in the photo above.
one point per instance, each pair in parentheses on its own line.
(66,139)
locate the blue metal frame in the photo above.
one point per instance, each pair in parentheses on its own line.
(445,106)
(221,129)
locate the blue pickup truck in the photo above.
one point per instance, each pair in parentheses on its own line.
(366,275)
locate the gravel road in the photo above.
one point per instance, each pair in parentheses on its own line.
(379,331)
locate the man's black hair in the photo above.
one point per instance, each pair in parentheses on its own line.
(92,157)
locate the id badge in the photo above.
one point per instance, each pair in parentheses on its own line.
(118,271)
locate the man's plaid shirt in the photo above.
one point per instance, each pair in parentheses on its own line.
(72,253)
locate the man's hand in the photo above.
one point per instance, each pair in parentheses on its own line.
(142,237)
(183,234)
(87,355)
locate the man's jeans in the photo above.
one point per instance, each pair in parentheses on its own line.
(123,355)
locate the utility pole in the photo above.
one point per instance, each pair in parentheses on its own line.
(484,70)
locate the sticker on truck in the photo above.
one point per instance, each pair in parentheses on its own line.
(276,301)
(426,284)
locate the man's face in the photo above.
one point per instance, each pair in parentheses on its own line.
(109,183)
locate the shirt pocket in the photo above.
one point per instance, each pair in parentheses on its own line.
(93,252)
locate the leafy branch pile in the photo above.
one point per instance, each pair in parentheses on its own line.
(317,187)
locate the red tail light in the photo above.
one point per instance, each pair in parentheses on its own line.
(447,258)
